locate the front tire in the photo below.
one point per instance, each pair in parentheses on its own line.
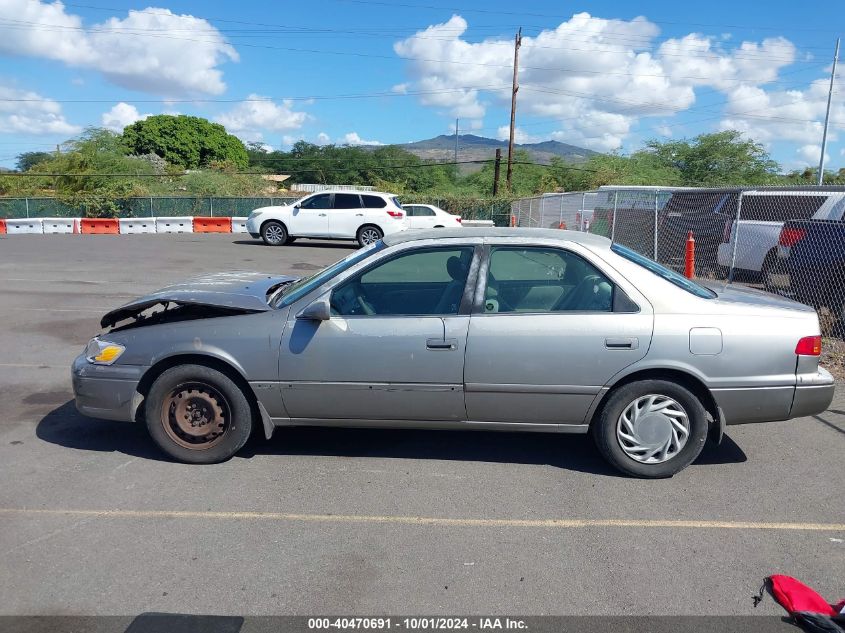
(368,234)
(274,233)
(651,429)
(197,415)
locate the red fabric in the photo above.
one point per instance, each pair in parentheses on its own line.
(794,595)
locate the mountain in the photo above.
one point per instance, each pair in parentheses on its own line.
(472,147)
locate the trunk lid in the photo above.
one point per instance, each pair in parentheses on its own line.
(732,294)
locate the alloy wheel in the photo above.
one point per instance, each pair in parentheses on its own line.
(274,234)
(369,236)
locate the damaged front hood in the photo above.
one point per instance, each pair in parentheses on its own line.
(242,291)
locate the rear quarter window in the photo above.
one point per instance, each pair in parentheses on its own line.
(374,202)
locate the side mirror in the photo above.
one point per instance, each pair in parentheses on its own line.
(318,310)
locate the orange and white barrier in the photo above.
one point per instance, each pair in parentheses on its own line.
(212,225)
(238,225)
(133,226)
(59,225)
(22,226)
(175,225)
(2,227)
(99,226)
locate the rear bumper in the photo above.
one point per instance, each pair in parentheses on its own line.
(107,392)
(813,394)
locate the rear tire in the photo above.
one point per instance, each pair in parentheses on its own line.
(650,429)
(368,234)
(197,415)
(274,233)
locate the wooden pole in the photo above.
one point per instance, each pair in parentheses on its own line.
(496,167)
(514,89)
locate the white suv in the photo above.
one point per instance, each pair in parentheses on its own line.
(365,216)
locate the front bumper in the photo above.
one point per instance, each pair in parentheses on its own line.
(813,394)
(109,392)
(253,226)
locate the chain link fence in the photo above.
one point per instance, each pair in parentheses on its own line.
(787,241)
(495,209)
(140,207)
(555,210)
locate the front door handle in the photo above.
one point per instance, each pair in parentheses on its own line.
(322,215)
(442,344)
(621,343)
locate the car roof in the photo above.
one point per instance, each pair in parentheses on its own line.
(413,235)
(358,191)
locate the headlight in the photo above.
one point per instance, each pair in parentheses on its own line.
(100,352)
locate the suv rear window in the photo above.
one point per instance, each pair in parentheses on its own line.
(661,271)
(373,202)
(780,208)
(347,201)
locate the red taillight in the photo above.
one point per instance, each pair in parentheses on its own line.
(788,237)
(459,219)
(809,346)
(397,215)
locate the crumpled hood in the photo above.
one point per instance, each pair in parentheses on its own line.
(245,291)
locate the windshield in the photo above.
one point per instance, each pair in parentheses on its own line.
(661,271)
(289,293)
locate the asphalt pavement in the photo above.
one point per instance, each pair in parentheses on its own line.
(95,521)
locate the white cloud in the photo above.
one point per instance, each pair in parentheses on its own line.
(323,139)
(121,115)
(352,138)
(401,89)
(519,135)
(152,50)
(810,154)
(598,77)
(25,112)
(251,118)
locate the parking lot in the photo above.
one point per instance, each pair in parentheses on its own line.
(94,520)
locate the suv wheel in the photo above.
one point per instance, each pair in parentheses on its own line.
(651,429)
(369,235)
(274,233)
(197,415)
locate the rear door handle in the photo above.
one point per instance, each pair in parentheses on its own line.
(322,215)
(442,344)
(621,343)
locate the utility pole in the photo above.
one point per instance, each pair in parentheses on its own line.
(514,88)
(827,114)
(496,166)
(456,142)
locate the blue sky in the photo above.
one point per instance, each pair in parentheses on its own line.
(608,75)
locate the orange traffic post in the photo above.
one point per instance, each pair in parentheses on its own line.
(99,226)
(212,225)
(689,257)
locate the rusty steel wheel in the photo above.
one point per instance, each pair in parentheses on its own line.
(195,416)
(198,414)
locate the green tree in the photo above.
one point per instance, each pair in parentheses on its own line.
(187,141)
(28,160)
(712,160)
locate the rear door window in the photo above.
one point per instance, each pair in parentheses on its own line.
(537,279)
(347,201)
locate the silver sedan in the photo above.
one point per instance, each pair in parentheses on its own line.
(490,329)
